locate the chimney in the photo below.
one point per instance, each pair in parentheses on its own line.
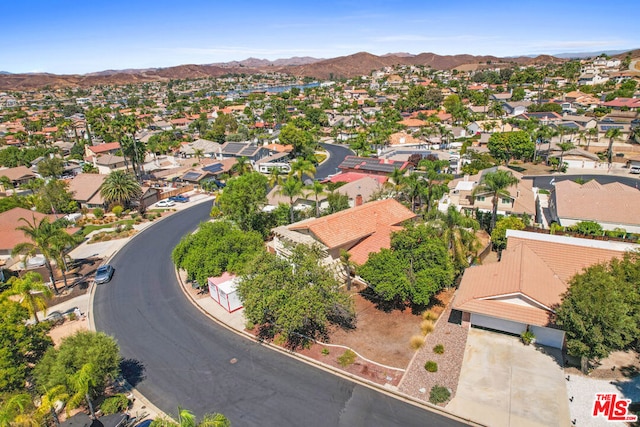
(359,200)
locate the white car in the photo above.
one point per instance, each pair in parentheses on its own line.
(165,203)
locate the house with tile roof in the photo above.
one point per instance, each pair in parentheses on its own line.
(360,230)
(18,175)
(85,188)
(613,206)
(521,199)
(523,290)
(373,166)
(101,149)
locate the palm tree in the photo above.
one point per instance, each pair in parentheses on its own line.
(49,402)
(613,133)
(187,419)
(302,167)
(59,246)
(33,291)
(414,185)
(496,183)
(82,382)
(590,134)
(242,166)
(396,182)
(199,153)
(318,189)
(275,177)
(14,411)
(291,188)
(458,232)
(42,235)
(347,264)
(120,188)
(564,147)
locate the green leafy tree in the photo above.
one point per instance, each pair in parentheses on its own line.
(21,345)
(295,297)
(243,198)
(589,228)
(301,140)
(600,311)
(337,202)
(505,146)
(51,167)
(495,183)
(89,168)
(84,363)
(54,197)
(413,270)
(215,248)
(499,233)
(15,411)
(32,291)
(120,188)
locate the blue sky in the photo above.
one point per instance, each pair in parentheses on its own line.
(66,37)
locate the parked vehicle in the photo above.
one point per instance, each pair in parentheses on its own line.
(179,198)
(104,274)
(165,203)
(634,169)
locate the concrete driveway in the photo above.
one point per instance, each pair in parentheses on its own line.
(505,383)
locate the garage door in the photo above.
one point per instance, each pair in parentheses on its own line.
(547,336)
(498,324)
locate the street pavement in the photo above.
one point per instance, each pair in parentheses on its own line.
(190,361)
(337,153)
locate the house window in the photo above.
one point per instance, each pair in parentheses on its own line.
(505,201)
(480,198)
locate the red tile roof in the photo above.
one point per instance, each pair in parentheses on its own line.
(104,148)
(9,220)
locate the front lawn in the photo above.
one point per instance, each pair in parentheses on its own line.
(93,227)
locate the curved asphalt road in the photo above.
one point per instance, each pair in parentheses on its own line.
(187,356)
(337,153)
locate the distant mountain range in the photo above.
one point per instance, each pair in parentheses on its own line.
(358,64)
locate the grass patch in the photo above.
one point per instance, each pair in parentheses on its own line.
(347,358)
(429,315)
(92,227)
(439,394)
(320,157)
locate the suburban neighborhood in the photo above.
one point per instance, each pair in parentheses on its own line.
(464,239)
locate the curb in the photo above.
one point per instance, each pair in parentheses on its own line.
(328,368)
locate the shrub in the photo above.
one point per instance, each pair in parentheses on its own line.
(429,315)
(249,325)
(426,327)
(431,366)
(117,210)
(527,337)
(98,213)
(438,349)
(114,404)
(347,358)
(325,351)
(280,340)
(416,341)
(439,394)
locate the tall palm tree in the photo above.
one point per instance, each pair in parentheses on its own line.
(302,167)
(564,147)
(42,235)
(82,382)
(120,188)
(317,188)
(413,186)
(34,293)
(275,177)
(291,188)
(347,264)
(495,183)
(199,153)
(458,232)
(613,133)
(59,246)
(590,134)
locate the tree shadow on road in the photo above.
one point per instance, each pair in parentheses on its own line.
(132,370)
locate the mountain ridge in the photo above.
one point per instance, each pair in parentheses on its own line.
(347,66)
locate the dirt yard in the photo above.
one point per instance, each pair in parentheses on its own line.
(69,327)
(619,365)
